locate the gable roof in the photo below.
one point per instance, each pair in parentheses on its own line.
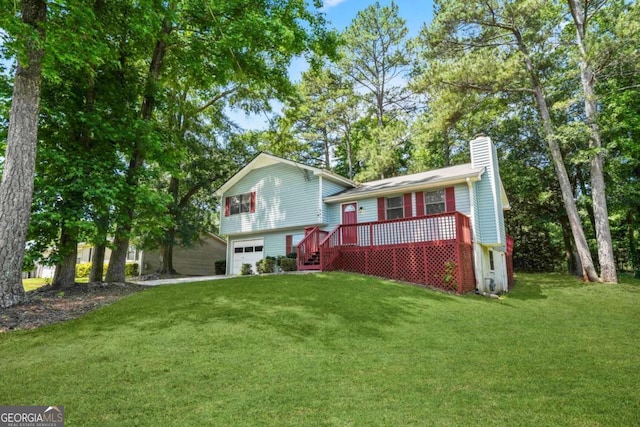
(263,159)
(417,181)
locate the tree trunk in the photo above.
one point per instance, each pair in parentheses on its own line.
(118,259)
(117,262)
(580,182)
(571,257)
(598,193)
(582,247)
(349,157)
(633,251)
(166,250)
(97,262)
(589,271)
(16,189)
(65,274)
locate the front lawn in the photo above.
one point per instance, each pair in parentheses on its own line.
(35,283)
(339,349)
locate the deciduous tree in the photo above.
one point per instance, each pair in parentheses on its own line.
(16,189)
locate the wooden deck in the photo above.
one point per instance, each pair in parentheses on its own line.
(433,250)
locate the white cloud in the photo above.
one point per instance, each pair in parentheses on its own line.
(331,3)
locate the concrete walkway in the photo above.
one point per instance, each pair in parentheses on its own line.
(206,278)
(178,280)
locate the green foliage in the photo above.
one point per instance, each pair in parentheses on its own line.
(449,274)
(266,265)
(288,264)
(373,56)
(131,269)
(83,269)
(220,266)
(246,270)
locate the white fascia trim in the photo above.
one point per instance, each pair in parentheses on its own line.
(333,177)
(506,206)
(404,189)
(265,159)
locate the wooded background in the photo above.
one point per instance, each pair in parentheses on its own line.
(134,132)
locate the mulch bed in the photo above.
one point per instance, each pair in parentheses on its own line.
(45,306)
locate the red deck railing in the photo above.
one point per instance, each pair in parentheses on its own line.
(308,250)
(433,250)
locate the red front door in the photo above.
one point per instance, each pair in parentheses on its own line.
(349,224)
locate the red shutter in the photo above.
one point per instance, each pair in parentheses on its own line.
(288,244)
(227,206)
(381,209)
(408,208)
(420,203)
(450,199)
(252,209)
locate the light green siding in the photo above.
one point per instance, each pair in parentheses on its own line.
(275,243)
(286,197)
(462,199)
(369,207)
(489,215)
(330,188)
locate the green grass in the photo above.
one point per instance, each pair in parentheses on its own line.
(35,283)
(339,350)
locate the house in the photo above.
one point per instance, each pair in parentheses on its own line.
(198,260)
(443,227)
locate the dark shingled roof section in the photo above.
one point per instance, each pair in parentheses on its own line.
(416,179)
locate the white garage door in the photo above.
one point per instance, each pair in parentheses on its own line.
(247,252)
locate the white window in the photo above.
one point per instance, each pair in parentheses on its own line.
(434,202)
(394,207)
(240,203)
(132,254)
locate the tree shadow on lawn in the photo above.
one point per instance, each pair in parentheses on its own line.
(526,291)
(322,307)
(529,286)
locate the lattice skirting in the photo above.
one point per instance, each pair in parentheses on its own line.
(510,277)
(446,265)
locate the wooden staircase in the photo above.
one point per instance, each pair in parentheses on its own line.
(313,259)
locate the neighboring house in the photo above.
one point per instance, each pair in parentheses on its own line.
(198,260)
(443,227)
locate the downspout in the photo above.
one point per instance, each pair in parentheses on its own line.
(320,207)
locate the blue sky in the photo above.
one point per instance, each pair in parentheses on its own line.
(340,14)
(415,12)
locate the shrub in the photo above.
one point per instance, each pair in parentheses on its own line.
(288,264)
(220,266)
(266,265)
(292,255)
(245,270)
(83,269)
(131,269)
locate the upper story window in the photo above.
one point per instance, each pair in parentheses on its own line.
(434,202)
(240,203)
(394,208)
